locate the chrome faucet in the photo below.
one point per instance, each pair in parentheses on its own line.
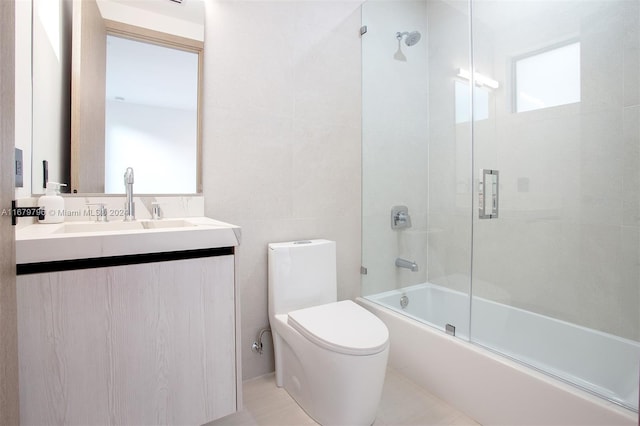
(129,205)
(403,263)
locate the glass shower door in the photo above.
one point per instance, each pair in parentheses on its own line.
(394,146)
(416,161)
(556,153)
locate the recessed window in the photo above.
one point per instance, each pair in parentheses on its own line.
(548,79)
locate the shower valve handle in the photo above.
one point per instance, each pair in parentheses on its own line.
(400,217)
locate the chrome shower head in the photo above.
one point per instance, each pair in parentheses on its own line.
(412,39)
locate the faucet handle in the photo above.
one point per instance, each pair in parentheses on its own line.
(101,212)
(400,217)
(128,176)
(156,212)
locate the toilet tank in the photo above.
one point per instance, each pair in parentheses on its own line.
(301,274)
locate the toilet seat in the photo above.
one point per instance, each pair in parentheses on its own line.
(342,327)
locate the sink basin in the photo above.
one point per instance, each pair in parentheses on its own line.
(166,223)
(71,227)
(84,240)
(75,227)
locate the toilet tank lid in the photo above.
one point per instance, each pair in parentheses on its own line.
(342,327)
(298,244)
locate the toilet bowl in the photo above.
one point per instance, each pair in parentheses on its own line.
(330,356)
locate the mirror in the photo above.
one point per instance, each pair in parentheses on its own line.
(151,117)
(93,130)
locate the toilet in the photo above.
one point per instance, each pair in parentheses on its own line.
(330,356)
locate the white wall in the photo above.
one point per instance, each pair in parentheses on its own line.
(159,143)
(23,92)
(281,140)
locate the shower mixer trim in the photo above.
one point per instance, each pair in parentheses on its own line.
(400,218)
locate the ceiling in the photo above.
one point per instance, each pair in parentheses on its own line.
(147,74)
(188,10)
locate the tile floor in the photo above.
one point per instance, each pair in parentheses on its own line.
(403,403)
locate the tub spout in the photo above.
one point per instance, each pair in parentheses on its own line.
(408,264)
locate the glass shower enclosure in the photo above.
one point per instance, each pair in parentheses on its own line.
(501,178)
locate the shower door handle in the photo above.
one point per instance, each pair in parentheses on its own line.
(488,194)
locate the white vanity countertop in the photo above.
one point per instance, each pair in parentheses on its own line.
(85,240)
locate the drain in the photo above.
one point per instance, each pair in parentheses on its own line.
(404,301)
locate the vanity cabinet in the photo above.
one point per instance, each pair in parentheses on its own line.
(151,343)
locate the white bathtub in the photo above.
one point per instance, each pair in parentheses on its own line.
(494,389)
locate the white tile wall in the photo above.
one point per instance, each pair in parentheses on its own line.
(282,151)
(281,144)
